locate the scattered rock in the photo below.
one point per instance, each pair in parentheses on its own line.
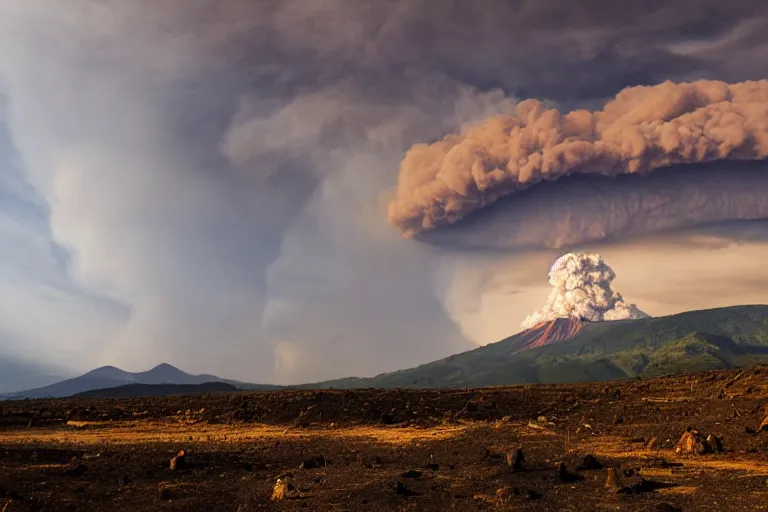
(411,474)
(284,490)
(516,460)
(318,461)
(692,442)
(590,463)
(715,443)
(402,490)
(179,462)
(563,475)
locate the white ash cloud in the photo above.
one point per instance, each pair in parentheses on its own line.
(642,129)
(581,288)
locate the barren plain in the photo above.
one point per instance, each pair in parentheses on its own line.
(511,448)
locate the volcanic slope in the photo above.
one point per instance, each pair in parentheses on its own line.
(575,351)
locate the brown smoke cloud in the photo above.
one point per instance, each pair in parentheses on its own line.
(642,129)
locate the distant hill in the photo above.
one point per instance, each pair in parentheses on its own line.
(576,351)
(112,377)
(144,390)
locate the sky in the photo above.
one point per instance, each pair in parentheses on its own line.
(210,184)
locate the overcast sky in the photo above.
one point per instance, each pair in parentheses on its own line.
(206,183)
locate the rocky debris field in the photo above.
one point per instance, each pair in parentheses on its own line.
(696,442)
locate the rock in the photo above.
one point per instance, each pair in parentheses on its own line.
(123,481)
(617,420)
(516,460)
(411,474)
(165,493)
(432,466)
(402,490)
(318,461)
(590,463)
(563,475)
(666,507)
(284,490)
(715,443)
(692,442)
(179,462)
(652,443)
(613,481)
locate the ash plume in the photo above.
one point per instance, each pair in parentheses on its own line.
(642,129)
(582,289)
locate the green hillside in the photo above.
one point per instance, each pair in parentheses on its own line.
(687,342)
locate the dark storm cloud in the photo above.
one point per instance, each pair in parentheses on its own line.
(209,162)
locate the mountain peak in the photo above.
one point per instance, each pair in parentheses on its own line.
(547,333)
(108,372)
(164,367)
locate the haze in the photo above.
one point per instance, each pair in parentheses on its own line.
(209,183)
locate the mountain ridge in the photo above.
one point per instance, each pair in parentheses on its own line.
(690,341)
(111,377)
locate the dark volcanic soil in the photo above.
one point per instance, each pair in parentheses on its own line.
(446,449)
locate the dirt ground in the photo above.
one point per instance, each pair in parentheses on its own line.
(446,448)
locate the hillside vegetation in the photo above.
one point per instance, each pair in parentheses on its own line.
(687,342)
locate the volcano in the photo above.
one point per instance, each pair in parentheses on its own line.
(578,350)
(546,333)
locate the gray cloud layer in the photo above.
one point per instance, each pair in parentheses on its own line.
(578,210)
(219,169)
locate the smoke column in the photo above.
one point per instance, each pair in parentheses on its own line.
(582,289)
(641,129)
